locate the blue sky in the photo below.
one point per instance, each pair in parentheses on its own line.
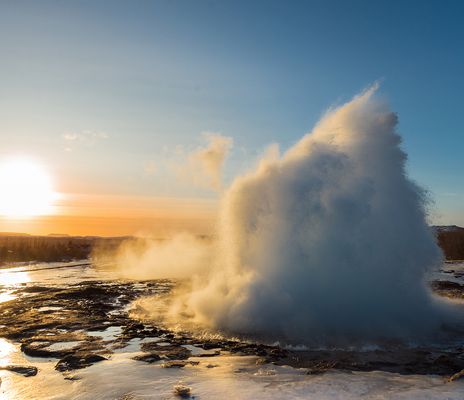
(139,79)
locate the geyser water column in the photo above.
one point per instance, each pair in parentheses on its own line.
(325,243)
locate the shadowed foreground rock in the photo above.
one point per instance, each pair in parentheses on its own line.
(21,369)
(78,361)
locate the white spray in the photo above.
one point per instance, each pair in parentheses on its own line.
(325,243)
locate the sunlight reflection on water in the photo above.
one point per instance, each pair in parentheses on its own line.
(6,296)
(8,278)
(6,348)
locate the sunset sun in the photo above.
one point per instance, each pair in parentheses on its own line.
(25,189)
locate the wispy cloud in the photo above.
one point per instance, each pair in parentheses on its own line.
(204,165)
(86,138)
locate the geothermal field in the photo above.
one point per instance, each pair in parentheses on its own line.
(231,200)
(322,280)
(71,331)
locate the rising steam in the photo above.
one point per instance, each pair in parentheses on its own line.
(143,258)
(204,165)
(325,243)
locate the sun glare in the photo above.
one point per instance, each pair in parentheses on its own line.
(25,189)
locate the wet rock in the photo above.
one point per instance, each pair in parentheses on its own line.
(35,289)
(456,376)
(321,367)
(61,345)
(182,391)
(277,353)
(134,330)
(172,352)
(72,378)
(175,353)
(261,361)
(148,358)
(178,364)
(212,354)
(403,360)
(70,311)
(39,349)
(135,326)
(85,291)
(149,346)
(98,328)
(448,289)
(447,362)
(72,361)
(209,345)
(21,369)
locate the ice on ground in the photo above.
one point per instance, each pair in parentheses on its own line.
(63,346)
(233,377)
(110,333)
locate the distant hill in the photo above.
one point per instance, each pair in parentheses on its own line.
(451,240)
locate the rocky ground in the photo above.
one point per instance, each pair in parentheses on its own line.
(86,322)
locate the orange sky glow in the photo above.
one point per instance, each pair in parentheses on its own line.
(112,215)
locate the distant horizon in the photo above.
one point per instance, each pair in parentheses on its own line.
(152,234)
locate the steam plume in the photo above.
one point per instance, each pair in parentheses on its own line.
(146,258)
(204,165)
(327,242)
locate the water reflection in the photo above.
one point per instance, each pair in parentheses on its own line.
(6,349)
(6,296)
(8,278)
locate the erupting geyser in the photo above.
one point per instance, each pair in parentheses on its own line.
(325,243)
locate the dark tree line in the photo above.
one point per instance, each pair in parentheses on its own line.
(48,248)
(16,248)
